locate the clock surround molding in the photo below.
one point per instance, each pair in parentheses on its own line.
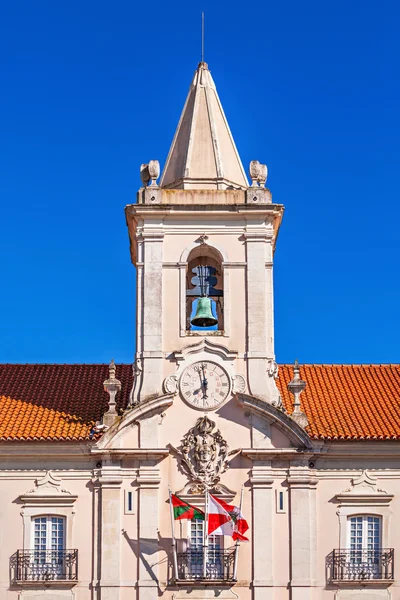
(205,351)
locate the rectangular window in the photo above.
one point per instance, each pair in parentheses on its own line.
(280,501)
(129,504)
(48,541)
(364,533)
(364,545)
(196,552)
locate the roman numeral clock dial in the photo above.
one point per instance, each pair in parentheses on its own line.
(205,385)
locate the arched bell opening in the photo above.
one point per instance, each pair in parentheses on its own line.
(204,290)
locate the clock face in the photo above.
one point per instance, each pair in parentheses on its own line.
(205,385)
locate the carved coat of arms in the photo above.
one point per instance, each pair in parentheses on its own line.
(204,453)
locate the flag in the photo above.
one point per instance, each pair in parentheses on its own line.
(226,519)
(241,525)
(219,520)
(183,510)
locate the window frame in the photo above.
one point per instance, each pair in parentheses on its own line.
(49,531)
(345,512)
(364,498)
(32,512)
(364,530)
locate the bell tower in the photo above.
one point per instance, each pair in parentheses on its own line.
(203,242)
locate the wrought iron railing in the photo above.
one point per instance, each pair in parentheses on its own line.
(44,565)
(219,565)
(360,565)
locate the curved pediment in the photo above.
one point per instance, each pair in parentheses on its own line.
(277,417)
(137,413)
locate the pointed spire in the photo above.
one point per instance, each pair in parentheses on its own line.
(203,154)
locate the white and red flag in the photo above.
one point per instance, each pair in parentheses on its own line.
(226,519)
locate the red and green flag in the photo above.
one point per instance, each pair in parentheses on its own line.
(183,510)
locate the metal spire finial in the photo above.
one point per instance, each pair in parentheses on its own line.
(202,37)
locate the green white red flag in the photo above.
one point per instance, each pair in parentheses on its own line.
(183,510)
(226,519)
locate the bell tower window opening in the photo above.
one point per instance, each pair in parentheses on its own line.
(204,291)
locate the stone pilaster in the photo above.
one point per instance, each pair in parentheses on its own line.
(303,538)
(260,325)
(110,533)
(148,482)
(262,481)
(149,355)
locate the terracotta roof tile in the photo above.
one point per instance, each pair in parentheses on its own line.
(347,402)
(55,402)
(62,402)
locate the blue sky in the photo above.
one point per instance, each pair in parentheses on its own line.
(90,90)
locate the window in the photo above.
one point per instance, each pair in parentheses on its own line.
(364,545)
(190,560)
(364,533)
(214,553)
(48,540)
(129,506)
(280,501)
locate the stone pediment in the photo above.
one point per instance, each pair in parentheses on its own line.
(48,490)
(274,415)
(364,489)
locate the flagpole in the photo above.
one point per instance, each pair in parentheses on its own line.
(235,563)
(175,558)
(205,539)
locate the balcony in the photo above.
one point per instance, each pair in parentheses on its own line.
(44,566)
(219,566)
(352,566)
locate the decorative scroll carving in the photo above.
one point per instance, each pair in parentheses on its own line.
(171,384)
(48,485)
(365,484)
(364,490)
(239,384)
(204,454)
(193,491)
(48,491)
(272,369)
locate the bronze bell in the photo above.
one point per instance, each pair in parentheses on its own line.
(204,316)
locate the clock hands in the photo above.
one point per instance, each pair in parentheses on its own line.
(203,380)
(204,385)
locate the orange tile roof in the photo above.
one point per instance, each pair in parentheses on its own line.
(55,402)
(347,402)
(62,402)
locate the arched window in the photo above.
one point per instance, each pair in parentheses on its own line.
(204,290)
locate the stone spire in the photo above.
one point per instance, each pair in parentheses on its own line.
(112,386)
(296,386)
(203,154)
